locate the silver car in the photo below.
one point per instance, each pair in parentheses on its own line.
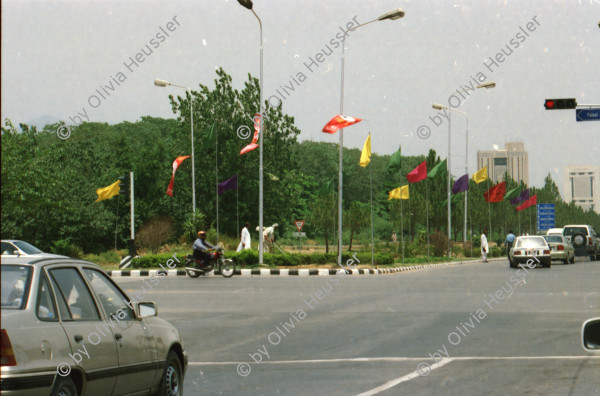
(530,249)
(68,329)
(560,248)
(16,248)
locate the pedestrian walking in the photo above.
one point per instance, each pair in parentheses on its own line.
(484,246)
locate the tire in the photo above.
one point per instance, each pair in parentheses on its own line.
(566,261)
(573,259)
(548,264)
(64,386)
(227,268)
(191,274)
(171,383)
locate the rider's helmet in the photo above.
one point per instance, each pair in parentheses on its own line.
(201,234)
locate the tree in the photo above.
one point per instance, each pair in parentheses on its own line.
(357,218)
(323,215)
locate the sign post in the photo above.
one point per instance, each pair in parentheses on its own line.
(546,217)
(587,114)
(299,224)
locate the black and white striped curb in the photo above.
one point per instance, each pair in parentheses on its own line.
(296,272)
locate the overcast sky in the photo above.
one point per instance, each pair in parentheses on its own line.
(56,54)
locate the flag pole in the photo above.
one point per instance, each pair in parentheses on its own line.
(372,235)
(402,226)
(237,205)
(217,180)
(116,220)
(489,216)
(427,214)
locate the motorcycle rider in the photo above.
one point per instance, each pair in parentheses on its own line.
(202,247)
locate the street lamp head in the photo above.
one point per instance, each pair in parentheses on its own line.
(391,15)
(487,85)
(246,3)
(161,83)
(437,106)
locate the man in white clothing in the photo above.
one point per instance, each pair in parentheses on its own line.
(245,242)
(484,246)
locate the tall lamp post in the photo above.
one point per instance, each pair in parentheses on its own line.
(248,4)
(391,15)
(440,107)
(163,83)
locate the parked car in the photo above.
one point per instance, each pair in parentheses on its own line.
(584,240)
(555,231)
(68,329)
(15,248)
(534,248)
(560,248)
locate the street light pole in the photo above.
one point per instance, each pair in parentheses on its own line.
(248,4)
(391,15)
(163,83)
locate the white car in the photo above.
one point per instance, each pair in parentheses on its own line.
(530,249)
(555,231)
(17,248)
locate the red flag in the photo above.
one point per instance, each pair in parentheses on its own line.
(257,121)
(496,193)
(419,173)
(338,122)
(530,202)
(176,164)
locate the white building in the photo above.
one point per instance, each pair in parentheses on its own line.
(512,159)
(582,186)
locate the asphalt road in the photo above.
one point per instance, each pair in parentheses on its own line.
(496,331)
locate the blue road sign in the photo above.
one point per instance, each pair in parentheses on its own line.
(587,114)
(546,217)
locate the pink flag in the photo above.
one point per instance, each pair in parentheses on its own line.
(176,164)
(257,121)
(338,122)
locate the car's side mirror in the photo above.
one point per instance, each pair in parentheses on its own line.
(146,310)
(16,253)
(590,335)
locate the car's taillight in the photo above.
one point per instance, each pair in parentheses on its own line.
(517,253)
(589,241)
(8,356)
(560,247)
(546,251)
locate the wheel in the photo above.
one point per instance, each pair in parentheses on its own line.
(566,261)
(573,259)
(64,387)
(548,264)
(191,274)
(172,378)
(511,263)
(227,268)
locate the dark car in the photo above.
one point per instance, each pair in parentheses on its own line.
(584,240)
(68,329)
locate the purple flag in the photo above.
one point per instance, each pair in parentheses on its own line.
(462,184)
(229,184)
(521,198)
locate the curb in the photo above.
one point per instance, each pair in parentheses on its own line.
(294,272)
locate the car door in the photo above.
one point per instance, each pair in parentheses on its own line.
(94,349)
(138,362)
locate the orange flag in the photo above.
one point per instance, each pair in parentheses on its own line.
(176,164)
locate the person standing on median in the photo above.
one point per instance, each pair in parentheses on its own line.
(484,246)
(245,242)
(510,239)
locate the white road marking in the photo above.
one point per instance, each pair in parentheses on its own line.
(408,377)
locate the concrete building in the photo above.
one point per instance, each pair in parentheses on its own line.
(512,159)
(582,185)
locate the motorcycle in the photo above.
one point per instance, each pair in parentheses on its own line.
(196,267)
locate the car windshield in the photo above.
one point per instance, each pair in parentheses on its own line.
(27,247)
(553,238)
(531,242)
(15,286)
(570,231)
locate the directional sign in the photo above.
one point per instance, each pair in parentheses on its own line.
(299,224)
(299,234)
(587,114)
(546,217)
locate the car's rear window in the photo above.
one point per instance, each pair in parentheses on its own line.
(27,248)
(531,242)
(16,280)
(553,238)
(570,231)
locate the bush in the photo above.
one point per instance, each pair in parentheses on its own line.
(439,242)
(155,232)
(65,248)
(192,224)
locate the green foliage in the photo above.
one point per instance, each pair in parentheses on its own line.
(65,248)
(192,224)
(439,243)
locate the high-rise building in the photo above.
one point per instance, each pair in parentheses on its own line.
(512,159)
(582,186)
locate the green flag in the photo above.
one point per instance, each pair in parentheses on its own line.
(210,135)
(512,193)
(438,169)
(456,198)
(395,162)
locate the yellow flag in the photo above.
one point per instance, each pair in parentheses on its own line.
(399,193)
(365,157)
(108,192)
(480,175)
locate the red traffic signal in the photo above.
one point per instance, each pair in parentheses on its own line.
(560,104)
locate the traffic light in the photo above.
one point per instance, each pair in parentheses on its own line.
(560,104)
(123,185)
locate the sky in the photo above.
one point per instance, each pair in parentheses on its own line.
(76,61)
